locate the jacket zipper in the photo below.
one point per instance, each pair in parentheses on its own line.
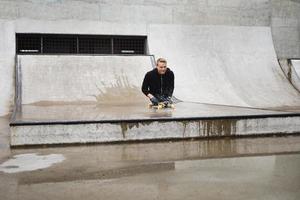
(161,84)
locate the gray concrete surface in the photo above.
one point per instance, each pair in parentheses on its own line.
(285,23)
(163,170)
(38,113)
(78,177)
(291,69)
(296,65)
(4,138)
(83,79)
(94,132)
(132,18)
(131,11)
(223,65)
(248,168)
(272,177)
(7,62)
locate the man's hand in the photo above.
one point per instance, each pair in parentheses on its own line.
(150,96)
(154,100)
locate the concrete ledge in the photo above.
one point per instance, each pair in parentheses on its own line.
(151,130)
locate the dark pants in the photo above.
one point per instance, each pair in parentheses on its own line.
(163,98)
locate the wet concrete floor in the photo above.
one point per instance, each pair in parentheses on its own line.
(134,111)
(241,168)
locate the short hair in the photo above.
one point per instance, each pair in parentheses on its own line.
(162,60)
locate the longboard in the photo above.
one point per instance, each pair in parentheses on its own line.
(161,105)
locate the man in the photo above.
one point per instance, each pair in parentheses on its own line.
(158,84)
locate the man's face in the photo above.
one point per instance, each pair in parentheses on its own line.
(161,67)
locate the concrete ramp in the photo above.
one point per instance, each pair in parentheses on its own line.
(224,65)
(90,99)
(296,66)
(291,69)
(70,79)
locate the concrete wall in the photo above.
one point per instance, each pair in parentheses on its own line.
(232,12)
(133,17)
(285,23)
(7,55)
(113,132)
(227,65)
(86,79)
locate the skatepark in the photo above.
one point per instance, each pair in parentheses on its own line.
(226,79)
(74,124)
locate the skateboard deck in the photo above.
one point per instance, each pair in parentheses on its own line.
(161,105)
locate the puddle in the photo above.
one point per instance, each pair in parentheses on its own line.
(30,162)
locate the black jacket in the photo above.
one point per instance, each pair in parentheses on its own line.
(157,84)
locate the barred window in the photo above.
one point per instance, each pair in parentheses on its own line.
(79,44)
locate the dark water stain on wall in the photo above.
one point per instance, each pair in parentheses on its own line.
(220,127)
(206,128)
(120,92)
